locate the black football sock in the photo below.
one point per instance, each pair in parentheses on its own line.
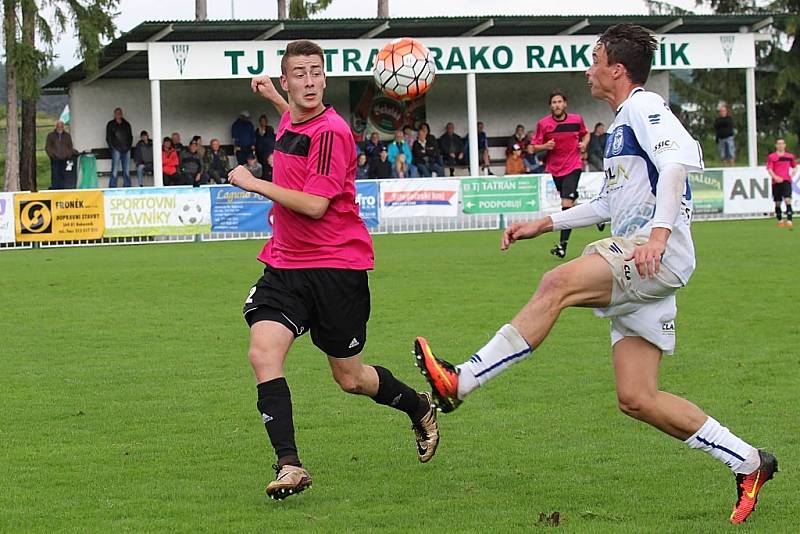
(789,212)
(275,406)
(565,233)
(778,212)
(393,393)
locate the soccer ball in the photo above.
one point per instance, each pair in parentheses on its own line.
(404,69)
(190,213)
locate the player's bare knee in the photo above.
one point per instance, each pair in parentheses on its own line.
(636,405)
(553,286)
(349,383)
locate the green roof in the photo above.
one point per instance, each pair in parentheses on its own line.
(318,29)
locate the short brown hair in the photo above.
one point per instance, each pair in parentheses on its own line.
(555,93)
(632,46)
(301,48)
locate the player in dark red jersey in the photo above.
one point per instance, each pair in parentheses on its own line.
(564,136)
(316,266)
(781,165)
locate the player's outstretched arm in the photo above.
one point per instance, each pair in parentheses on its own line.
(305,203)
(263,85)
(525,230)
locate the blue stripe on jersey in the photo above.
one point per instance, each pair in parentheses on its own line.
(504,360)
(631,147)
(720,447)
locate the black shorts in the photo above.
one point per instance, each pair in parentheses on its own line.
(333,304)
(567,185)
(781,191)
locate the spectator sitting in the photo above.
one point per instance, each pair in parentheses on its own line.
(177,144)
(534,161)
(268,168)
(215,163)
(143,156)
(426,153)
(192,167)
(483,148)
(723,127)
(597,147)
(362,167)
(517,139)
(399,146)
(452,147)
(59,149)
(409,135)
(169,163)
(373,146)
(401,169)
(255,168)
(244,137)
(119,139)
(514,162)
(201,149)
(265,139)
(380,166)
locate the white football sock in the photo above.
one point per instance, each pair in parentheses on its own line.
(725,446)
(506,348)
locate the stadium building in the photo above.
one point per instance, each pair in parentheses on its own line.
(191,77)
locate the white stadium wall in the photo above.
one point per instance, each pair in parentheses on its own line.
(209,107)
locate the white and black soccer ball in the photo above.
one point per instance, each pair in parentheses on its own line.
(190,212)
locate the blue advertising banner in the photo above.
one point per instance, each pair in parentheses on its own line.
(235,210)
(368,199)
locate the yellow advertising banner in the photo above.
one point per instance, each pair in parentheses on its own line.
(59,216)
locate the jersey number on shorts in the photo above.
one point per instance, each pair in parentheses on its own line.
(250,296)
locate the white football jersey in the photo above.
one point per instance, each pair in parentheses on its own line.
(644,137)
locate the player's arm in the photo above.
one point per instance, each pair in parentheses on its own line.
(263,85)
(313,206)
(581,215)
(538,140)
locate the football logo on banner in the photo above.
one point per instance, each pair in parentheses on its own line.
(35,217)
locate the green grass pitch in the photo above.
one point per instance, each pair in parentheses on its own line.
(128,404)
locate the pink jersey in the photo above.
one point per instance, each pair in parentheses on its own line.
(318,156)
(781,164)
(567,133)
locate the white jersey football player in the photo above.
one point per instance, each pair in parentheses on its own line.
(631,277)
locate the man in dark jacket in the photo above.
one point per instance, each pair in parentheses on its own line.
(244,137)
(59,149)
(192,167)
(119,139)
(452,147)
(380,167)
(597,147)
(143,157)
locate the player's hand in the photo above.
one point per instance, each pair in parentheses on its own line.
(242,178)
(550,145)
(647,258)
(263,85)
(521,230)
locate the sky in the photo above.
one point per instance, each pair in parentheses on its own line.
(134,12)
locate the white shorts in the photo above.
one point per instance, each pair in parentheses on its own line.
(641,307)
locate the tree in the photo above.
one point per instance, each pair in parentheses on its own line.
(11,177)
(27,64)
(281,9)
(383,9)
(200,10)
(301,9)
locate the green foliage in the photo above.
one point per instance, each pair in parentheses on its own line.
(301,9)
(129,404)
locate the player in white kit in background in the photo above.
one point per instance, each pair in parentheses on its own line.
(630,277)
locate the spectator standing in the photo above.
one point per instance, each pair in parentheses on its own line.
(215,163)
(597,147)
(781,166)
(169,163)
(452,147)
(119,138)
(265,139)
(380,166)
(564,136)
(143,157)
(483,149)
(177,144)
(514,162)
(59,149)
(244,137)
(426,153)
(192,167)
(255,168)
(362,167)
(723,127)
